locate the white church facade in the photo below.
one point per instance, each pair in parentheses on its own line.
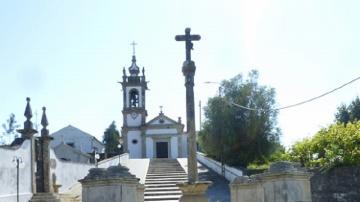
(161,137)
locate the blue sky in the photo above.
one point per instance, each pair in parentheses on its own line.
(69,55)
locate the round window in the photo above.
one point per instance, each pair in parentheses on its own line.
(134,141)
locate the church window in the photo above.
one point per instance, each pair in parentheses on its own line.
(134,98)
(134,141)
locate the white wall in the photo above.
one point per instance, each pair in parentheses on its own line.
(68,173)
(8,173)
(133,122)
(149,148)
(184,145)
(134,149)
(174,147)
(230,172)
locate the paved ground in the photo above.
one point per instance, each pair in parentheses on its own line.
(219,191)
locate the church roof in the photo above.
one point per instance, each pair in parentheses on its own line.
(161,119)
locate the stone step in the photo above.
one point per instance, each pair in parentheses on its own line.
(163,164)
(165,182)
(158,193)
(164,173)
(162,198)
(150,189)
(166,176)
(160,185)
(165,170)
(165,179)
(161,180)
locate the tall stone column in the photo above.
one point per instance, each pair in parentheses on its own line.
(46,191)
(193,190)
(188,70)
(28,133)
(45,144)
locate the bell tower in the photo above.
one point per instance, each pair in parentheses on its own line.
(134,111)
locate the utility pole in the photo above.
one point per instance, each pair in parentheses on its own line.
(199,115)
(18,160)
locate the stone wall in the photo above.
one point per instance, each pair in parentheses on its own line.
(338,185)
(8,173)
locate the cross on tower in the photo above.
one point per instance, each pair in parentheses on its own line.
(188,44)
(133,45)
(161,109)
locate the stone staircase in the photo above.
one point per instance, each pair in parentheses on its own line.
(161,180)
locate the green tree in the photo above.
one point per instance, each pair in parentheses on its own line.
(111,140)
(236,135)
(337,145)
(349,113)
(9,130)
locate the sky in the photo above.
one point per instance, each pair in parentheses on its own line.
(68,56)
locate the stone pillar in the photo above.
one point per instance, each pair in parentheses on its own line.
(46,191)
(28,133)
(192,190)
(112,184)
(283,182)
(188,70)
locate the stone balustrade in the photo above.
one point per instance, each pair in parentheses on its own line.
(283,182)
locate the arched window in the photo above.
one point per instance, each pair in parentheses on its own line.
(134,98)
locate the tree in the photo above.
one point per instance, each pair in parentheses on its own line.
(9,130)
(337,145)
(111,140)
(236,135)
(351,113)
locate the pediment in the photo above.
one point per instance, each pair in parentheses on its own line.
(161,119)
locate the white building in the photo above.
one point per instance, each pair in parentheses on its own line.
(161,137)
(81,144)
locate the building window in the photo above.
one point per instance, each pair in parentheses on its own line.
(134,141)
(134,98)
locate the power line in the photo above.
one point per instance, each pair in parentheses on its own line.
(299,103)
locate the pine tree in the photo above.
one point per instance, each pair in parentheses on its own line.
(111,140)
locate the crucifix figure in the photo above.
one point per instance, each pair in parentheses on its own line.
(188,44)
(133,45)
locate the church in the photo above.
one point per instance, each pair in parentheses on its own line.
(161,137)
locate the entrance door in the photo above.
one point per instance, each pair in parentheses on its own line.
(161,150)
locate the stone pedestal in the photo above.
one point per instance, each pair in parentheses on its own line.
(194,192)
(283,182)
(112,184)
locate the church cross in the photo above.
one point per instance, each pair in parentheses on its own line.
(133,45)
(161,109)
(188,44)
